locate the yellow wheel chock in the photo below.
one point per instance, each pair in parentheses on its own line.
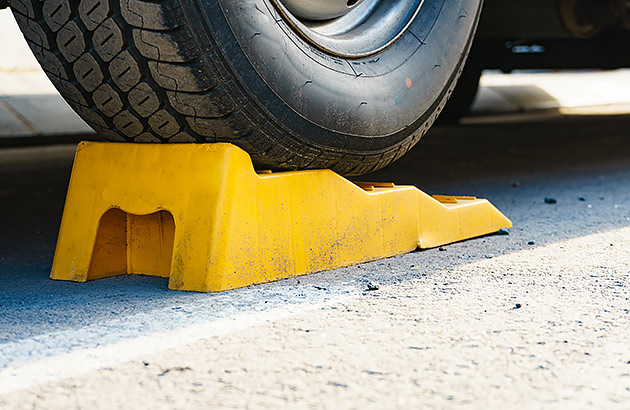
(201,215)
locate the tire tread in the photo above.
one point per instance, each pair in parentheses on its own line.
(146,71)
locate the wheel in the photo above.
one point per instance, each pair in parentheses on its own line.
(347,85)
(463,95)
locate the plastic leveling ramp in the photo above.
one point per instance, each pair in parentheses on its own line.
(201,215)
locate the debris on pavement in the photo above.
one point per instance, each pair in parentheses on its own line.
(175,369)
(373,286)
(550,200)
(503,231)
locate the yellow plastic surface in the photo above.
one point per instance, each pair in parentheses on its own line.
(200,215)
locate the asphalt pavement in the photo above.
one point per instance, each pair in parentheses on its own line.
(538,318)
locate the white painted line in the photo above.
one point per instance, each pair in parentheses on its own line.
(82,361)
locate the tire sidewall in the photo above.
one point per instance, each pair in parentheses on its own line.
(363,104)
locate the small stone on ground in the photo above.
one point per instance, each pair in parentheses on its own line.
(373,286)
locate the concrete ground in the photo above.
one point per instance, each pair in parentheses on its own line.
(535,319)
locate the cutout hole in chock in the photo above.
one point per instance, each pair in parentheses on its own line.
(132,244)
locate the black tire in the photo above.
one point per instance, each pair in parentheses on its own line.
(235,71)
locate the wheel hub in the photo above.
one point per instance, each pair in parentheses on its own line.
(320,9)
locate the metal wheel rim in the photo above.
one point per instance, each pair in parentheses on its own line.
(367,28)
